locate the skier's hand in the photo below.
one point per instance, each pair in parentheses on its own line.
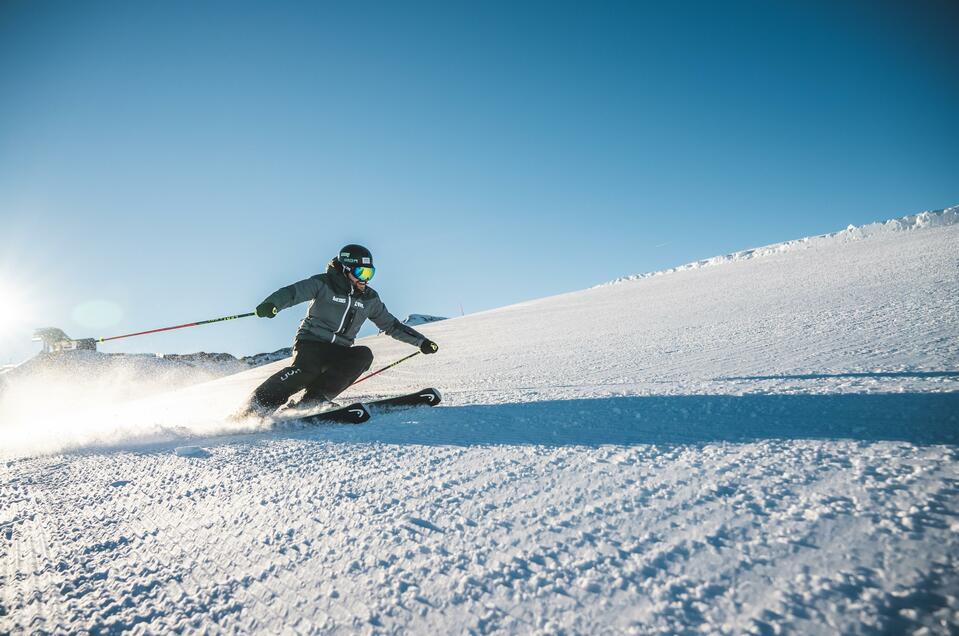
(429,346)
(266,310)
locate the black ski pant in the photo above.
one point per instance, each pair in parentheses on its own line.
(322,368)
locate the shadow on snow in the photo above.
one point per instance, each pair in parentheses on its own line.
(825,376)
(920,418)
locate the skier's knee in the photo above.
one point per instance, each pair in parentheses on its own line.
(364,357)
(288,373)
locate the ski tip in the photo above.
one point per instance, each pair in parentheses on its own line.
(423,397)
(355,413)
(435,397)
(358,412)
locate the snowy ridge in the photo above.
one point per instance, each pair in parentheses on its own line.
(923,220)
(260,359)
(83,377)
(89,373)
(414,320)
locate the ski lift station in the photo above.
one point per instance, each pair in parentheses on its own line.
(55,340)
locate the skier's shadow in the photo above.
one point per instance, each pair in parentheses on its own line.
(921,418)
(865,374)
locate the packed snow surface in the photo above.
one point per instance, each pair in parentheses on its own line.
(767,445)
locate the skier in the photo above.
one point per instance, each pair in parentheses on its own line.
(325,362)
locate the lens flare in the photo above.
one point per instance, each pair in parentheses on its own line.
(97,314)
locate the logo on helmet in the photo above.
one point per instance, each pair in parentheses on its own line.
(352,255)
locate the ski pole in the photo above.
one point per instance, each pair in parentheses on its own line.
(191,324)
(389,366)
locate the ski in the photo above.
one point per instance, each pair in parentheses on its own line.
(355,413)
(423,397)
(359,412)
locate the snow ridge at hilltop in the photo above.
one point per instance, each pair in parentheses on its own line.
(923,220)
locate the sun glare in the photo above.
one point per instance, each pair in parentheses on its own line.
(17,310)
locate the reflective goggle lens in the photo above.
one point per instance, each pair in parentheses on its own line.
(364,274)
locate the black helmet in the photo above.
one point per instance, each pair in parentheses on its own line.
(358,261)
(355,256)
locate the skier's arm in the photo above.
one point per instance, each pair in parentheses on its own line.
(391,326)
(294,294)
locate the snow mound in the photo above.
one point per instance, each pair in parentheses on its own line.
(421,319)
(259,359)
(923,220)
(190,451)
(218,364)
(83,377)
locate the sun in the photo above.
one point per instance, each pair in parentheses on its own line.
(17,310)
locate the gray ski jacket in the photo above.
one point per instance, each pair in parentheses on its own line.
(337,310)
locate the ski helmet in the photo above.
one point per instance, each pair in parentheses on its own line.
(355,256)
(357,260)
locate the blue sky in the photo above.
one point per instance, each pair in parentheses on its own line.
(167,162)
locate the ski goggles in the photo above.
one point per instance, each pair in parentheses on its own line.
(363,274)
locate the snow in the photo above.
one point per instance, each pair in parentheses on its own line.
(762,445)
(414,320)
(190,451)
(265,358)
(937,218)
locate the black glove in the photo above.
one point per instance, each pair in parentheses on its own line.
(266,310)
(429,346)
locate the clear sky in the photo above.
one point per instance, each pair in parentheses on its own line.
(165,162)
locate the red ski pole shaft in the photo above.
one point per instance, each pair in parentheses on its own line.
(389,366)
(190,324)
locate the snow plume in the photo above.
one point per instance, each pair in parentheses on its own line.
(923,220)
(76,399)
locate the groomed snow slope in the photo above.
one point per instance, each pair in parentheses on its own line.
(763,445)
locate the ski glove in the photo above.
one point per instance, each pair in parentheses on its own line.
(266,310)
(429,346)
